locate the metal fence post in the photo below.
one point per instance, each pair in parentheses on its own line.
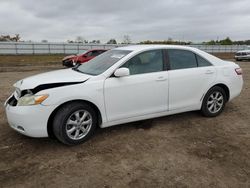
(33,48)
(16,48)
(64,50)
(49,48)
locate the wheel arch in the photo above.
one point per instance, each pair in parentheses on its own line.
(224,87)
(52,115)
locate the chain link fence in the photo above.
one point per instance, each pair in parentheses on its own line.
(16,48)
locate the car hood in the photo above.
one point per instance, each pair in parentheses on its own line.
(69,57)
(53,78)
(243,51)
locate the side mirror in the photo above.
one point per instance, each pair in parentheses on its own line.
(121,72)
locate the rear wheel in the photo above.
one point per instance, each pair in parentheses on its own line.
(74,123)
(214,102)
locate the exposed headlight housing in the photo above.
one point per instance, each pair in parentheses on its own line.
(17,93)
(29,99)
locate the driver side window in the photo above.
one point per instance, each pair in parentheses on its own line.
(145,62)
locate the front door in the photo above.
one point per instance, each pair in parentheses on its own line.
(144,91)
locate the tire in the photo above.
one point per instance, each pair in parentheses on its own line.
(214,102)
(74,123)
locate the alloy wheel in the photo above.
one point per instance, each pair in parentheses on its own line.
(215,102)
(78,124)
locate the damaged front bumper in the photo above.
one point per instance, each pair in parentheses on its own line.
(28,120)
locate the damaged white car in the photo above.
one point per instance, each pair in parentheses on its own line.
(122,85)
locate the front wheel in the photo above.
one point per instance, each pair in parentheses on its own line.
(213,102)
(74,123)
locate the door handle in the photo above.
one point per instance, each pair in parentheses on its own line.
(209,72)
(161,78)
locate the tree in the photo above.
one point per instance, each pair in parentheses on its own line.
(7,38)
(95,42)
(126,39)
(70,41)
(16,37)
(112,41)
(226,41)
(44,41)
(79,39)
(169,41)
(211,42)
(242,42)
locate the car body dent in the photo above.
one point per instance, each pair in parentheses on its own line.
(58,76)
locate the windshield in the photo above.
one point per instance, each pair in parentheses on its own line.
(82,52)
(102,62)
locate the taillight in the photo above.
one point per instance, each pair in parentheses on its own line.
(238,71)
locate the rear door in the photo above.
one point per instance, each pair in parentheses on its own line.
(189,77)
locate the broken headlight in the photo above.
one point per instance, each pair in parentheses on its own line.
(29,99)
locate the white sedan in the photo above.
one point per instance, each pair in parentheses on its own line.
(243,54)
(122,85)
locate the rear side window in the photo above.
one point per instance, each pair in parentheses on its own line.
(202,62)
(181,59)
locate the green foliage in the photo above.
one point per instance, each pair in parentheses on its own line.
(226,41)
(112,41)
(242,42)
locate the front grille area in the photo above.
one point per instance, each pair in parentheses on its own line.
(12,101)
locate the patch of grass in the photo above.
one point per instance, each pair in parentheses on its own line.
(20,60)
(224,55)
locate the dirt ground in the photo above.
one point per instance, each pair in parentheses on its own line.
(184,150)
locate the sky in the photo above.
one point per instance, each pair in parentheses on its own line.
(187,20)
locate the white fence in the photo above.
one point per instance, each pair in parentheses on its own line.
(16,48)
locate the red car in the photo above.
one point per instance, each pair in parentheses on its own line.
(72,60)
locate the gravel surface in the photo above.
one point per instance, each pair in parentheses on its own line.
(184,150)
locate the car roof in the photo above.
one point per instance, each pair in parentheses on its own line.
(140,48)
(96,49)
(148,47)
